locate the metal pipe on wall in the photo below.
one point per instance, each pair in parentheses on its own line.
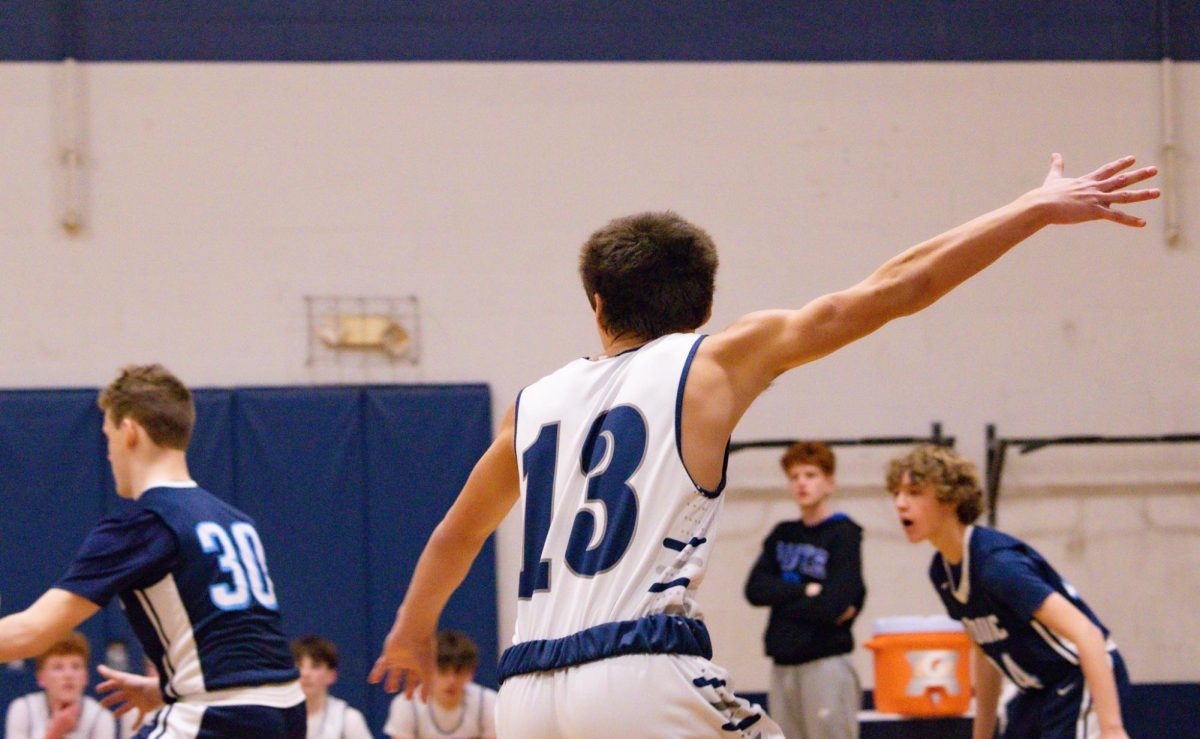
(1171,231)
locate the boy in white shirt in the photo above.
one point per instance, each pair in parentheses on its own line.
(60,710)
(457,706)
(328,717)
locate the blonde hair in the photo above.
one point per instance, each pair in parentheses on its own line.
(953,478)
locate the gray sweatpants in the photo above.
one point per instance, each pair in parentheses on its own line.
(816,700)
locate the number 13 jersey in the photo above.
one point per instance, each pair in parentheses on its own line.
(617,535)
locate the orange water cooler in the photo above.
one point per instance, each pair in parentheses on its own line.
(922,666)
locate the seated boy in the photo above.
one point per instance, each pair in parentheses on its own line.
(61,710)
(457,706)
(328,717)
(1024,618)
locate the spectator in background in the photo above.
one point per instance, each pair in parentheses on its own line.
(328,717)
(457,707)
(60,710)
(810,574)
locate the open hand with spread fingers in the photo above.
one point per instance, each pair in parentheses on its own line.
(126,692)
(1091,197)
(407,662)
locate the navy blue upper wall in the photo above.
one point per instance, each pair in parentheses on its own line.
(599,30)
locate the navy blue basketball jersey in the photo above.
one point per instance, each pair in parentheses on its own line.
(995,591)
(192,576)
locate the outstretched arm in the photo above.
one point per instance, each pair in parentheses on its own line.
(761,346)
(491,491)
(34,630)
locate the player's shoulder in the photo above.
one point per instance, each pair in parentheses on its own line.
(188,502)
(991,546)
(937,569)
(999,556)
(130,519)
(985,538)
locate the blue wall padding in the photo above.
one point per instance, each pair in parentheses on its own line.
(345,484)
(212,446)
(434,458)
(52,469)
(613,30)
(300,476)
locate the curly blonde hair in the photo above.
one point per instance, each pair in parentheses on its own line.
(953,478)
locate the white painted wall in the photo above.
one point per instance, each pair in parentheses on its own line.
(218,195)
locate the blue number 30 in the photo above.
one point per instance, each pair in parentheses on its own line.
(603,528)
(244,561)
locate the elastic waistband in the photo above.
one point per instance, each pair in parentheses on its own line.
(657,634)
(284,695)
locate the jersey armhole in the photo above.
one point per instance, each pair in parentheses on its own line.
(516,417)
(683,377)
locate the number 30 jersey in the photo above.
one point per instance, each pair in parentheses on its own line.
(192,576)
(617,535)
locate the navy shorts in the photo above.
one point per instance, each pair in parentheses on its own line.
(1063,710)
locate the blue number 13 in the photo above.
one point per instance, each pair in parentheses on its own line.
(604,524)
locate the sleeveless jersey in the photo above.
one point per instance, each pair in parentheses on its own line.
(1000,584)
(617,534)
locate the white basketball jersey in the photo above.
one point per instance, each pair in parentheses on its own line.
(615,529)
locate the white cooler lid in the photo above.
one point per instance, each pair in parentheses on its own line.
(915,625)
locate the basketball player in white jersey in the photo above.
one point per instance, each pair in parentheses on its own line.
(621,460)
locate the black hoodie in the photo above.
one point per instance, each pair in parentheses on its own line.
(809,576)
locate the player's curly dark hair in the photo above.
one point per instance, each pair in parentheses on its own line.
(952,477)
(654,272)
